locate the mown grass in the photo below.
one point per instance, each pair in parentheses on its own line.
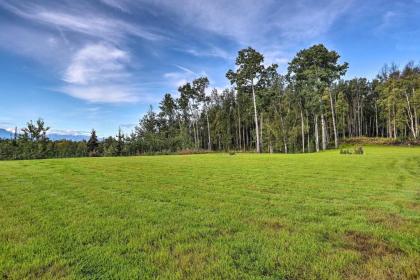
(214,216)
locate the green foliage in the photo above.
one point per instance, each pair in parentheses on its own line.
(357,150)
(345,151)
(93,144)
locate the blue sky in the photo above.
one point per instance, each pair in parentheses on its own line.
(99,64)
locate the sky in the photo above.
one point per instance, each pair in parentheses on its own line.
(101,63)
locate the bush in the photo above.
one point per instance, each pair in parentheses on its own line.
(345,152)
(358,150)
(232,153)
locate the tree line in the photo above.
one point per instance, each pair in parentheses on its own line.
(308,109)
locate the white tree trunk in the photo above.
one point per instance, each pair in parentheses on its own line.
(316,134)
(333,119)
(208,132)
(284,134)
(256,119)
(302,130)
(376,120)
(261,133)
(323,134)
(239,130)
(416,122)
(410,116)
(394,122)
(389,123)
(309,134)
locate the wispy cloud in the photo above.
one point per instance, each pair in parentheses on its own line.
(83,44)
(264,24)
(88,22)
(213,51)
(122,5)
(97,63)
(178,78)
(98,73)
(68,132)
(40,45)
(254,19)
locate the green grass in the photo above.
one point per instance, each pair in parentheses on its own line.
(214,216)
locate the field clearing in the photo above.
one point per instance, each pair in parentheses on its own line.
(214,216)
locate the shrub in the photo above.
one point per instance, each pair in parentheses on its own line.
(232,153)
(345,152)
(358,150)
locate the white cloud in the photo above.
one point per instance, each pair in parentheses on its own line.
(122,5)
(87,22)
(95,26)
(68,132)
(63,34)
(103,93)
(179,78)
(42,46)
(11,129)
(276,56)
(248,20)
(263,24)
(97,63)
(98,73)
(213,51)
(69,31)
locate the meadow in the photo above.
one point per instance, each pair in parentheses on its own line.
(213,216)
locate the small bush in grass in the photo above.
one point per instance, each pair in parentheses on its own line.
(232,153)
(358,150)
(345,152)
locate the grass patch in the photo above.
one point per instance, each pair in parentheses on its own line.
(213,216)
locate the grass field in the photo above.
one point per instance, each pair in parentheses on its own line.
(214,216)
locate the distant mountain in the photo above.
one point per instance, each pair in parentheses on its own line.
(55,137)
(4,134)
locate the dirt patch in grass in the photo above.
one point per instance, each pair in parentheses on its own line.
(414,206)
(378,259)
(368,246)
(271,224)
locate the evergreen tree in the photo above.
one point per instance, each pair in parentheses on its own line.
(93,144)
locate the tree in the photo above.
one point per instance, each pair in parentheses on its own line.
(168,107)
(36,132)
(119,147)
(317,68)
(199,87)
(184,103)
(35,139)
(250,72)
(93,144)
